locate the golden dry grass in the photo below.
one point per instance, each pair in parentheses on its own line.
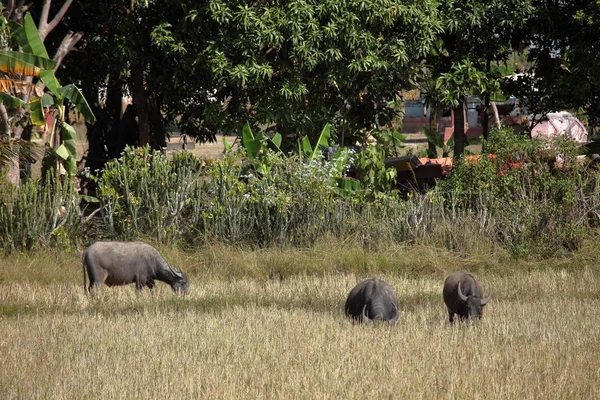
(245,337)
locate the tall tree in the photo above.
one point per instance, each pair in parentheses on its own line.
(299,64)
(564,42)
(478,35)
(213,65)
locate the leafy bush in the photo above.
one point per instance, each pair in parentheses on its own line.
(517,197)
(145,193)
(39,211)
(531,199)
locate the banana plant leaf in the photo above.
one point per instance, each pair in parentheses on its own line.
(226,145)
(250,143)
(75,96)
(68,136)
(48,100)
(11,101)
(277,141)
(36,112)
(28,38)
(323,139)
(17,87)
(348,186)
(18,63)
(67,151)
(322,142)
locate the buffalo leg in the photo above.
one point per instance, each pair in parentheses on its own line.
(451,316)
(96,277)
(138,284)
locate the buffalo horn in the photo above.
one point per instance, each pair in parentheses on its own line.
(488,298)
(364,315)
(460,293)
(176,273)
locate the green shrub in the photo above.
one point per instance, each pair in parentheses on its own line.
(533,203)
(39,212)
(144,193)
(514,197)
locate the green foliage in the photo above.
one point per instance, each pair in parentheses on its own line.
(322,142)
(145,193)
(296,64)
(462,79)
(517,198)
(563,40)
(39,212)
(257,148)
(389,140)
(535,199)
(434,137)
(372,172)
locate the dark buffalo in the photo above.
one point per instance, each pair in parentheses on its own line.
(372,300)
(121,263)
(463,296)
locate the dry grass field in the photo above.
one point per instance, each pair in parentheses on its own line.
(249,336)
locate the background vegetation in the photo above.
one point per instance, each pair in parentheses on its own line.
(517,198)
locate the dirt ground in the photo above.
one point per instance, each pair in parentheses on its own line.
(212,151)
(415,142)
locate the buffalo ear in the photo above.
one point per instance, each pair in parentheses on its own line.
(460,293)
(487,299)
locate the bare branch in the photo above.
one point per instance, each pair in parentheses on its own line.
(10,6)
(68,43)
(44,18)
(46,27)
(19,10)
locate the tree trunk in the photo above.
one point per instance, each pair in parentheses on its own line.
(159,135)
(115,142)
(13,169)
(433,128)
(460,138)
(486,101)
(96,134)
(5,135)
(496,116)
(141,105)
(485,119)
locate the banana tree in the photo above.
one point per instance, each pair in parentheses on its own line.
(257,146)
(16,97)
(62,135)
(306,148)
(13,91)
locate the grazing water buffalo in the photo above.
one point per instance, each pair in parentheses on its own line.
(463,296)
(121,263)
(372,300)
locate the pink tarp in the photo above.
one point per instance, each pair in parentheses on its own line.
(561,123)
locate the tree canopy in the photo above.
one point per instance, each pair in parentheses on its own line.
(564,43)
(209,67)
